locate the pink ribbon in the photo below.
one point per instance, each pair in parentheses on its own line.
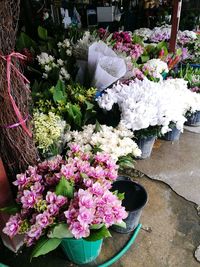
(9,67)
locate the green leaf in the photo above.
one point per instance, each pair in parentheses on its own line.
(84,176)
(74,114)
(120,196)
(58,91)
(89,105)
(145,59)
(98,127)
(122,224)
(101,233)
(60,231)
(12,209)
(96,226)
(42,33)
(44,246)
(65,188)
(24,41)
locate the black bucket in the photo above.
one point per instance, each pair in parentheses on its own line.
(134,201)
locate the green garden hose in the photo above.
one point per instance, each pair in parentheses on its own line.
(124,249)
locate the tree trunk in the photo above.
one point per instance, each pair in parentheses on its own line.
(17,148)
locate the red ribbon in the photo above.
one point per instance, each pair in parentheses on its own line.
(10,67)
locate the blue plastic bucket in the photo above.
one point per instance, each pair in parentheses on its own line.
(81,251)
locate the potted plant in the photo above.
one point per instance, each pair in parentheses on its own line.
(67,201)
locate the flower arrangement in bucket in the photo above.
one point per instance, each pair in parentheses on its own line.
(67,200)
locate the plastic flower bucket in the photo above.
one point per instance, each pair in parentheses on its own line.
(193,119)
(135,198)
(145,144)
(81,251)
(172,135)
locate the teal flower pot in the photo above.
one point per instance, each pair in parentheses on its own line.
(81,251)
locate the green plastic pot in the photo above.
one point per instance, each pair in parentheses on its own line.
(81,251)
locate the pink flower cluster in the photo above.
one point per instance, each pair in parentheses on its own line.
(93,206)
(91,176)
(132,50)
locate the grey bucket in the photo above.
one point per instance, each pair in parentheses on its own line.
(172,135)
(145,144)
(193,119)
(134,202)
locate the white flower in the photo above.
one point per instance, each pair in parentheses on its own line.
(155,67)
(60,62)
(115,141)
(64,75)
(145,103)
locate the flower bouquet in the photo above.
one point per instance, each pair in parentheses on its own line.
(66,198)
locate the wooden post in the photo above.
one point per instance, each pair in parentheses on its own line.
(175,24)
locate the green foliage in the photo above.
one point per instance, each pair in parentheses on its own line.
(60,231)
(12,209)
(42,33)
(150,131)
(65,188)
(44,246)
(24,41)
(98,234)
(126,162)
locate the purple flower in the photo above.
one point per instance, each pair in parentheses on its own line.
(28,199)
(52,209)
(44,219)
(35,231)
(21,180)
(60,201)
(37,188)
(51,197)
(12,226)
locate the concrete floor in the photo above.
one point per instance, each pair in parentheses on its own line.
(171,225)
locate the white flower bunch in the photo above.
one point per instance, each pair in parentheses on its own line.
(160,33)
(115,141)
(145,33)
(48,130)
(63,74)
(80,50)
(66,45)
(155,67)
(146,103)
(47,63)
(186,36)
(190,100)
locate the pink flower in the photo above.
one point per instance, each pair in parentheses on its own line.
(85,215)
(35,231)
(12,226)
(21,180)
(71,215)
(28,199)
(51,197)
(37,188)
(97,189)
(44,219)
(60,201)
(79,230)
(85,199)
(52,209)
(74,148)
